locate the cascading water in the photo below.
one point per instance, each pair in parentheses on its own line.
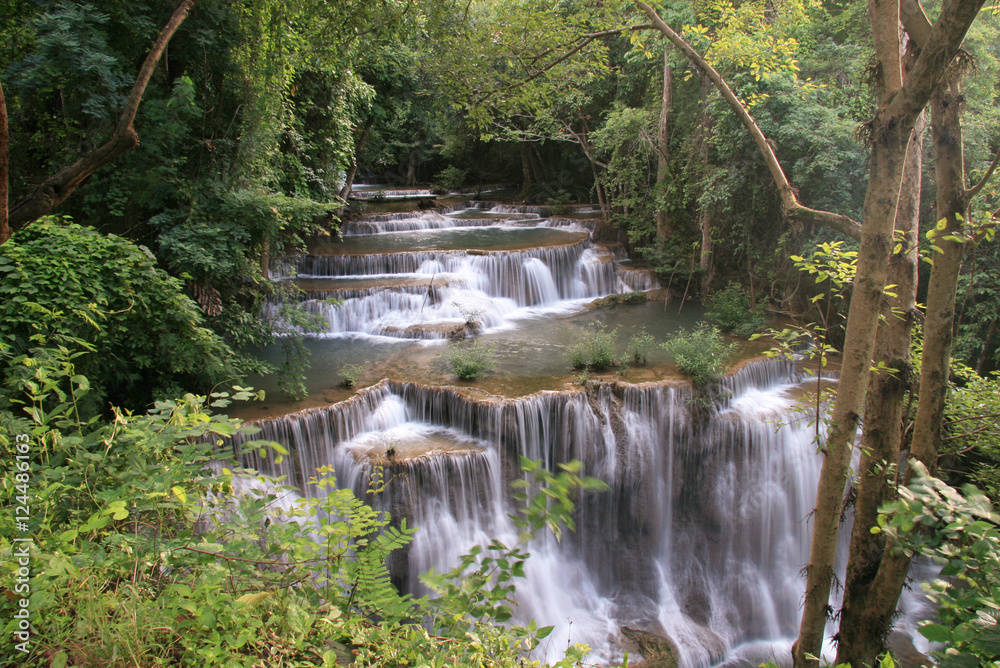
(705,530)
(510,278)
(701,538)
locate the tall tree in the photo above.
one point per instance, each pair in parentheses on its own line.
(900,104)
(663,227)
(877,572)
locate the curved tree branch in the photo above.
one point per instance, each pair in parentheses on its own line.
(51,192)
(986,177)
(790,204)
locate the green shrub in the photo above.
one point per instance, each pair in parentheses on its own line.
(958,532)
(451,178)
(470,361)
(70,285)
(731,311)
(639,346)
(596,349)
(349,374)
(701,354)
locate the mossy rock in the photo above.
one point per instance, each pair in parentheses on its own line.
(657,650)
(624,298)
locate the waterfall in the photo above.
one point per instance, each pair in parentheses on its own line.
(702,536)
(413,293)
(427,294)
(409,222)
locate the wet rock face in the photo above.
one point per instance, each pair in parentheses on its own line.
(441,330)
(655,647)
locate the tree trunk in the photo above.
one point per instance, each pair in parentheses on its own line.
(526,180)
(888,154)
(345,192)
(265,259)
(51,192)
(411,168)
(942,288)
(884,590)
(863,629)
(706,261)
(605,230)
(663,226)
(4,167)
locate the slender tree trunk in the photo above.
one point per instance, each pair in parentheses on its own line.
(863,629)
(345,192)
(706,261)
(4,169)
(265,259)
(411,168)
(942,288)
(526,180)
(51,192)
(604,231)
(663,226)
(982,355)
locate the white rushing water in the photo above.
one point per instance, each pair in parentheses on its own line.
(702,536)
(492,288)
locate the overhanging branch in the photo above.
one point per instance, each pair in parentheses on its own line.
(986,177)
(790,204)
(51,192)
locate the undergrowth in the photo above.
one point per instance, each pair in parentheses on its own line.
(148,550)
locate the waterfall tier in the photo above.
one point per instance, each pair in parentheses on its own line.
(703,533)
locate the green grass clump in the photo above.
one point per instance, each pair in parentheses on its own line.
(596,349)
(469,362)
(349,374)
(701,354)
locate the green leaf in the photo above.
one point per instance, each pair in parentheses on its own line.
(179,493)
(935,632)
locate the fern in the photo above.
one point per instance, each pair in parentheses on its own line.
(372,592)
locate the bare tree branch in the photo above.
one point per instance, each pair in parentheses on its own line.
(790,204)
(51,192)
(986,177)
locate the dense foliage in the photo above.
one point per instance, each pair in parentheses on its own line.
(251,131)
(959,532)
(149,551)
(69,285)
